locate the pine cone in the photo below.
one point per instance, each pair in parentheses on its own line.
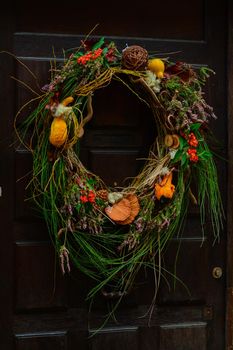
(102,194)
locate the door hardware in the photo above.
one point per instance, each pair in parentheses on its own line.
(217,272)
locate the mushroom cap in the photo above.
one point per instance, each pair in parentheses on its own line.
(120,211)
(135,208)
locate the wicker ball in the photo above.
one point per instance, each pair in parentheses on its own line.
(134,58)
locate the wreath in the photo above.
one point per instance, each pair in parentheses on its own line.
(110,233)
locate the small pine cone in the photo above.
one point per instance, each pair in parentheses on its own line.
(102,194)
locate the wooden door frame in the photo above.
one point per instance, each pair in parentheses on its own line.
(229,290)
(7,22)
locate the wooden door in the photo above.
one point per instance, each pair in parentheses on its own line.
(41,309)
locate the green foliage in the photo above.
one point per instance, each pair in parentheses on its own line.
(99,44)
(204,74)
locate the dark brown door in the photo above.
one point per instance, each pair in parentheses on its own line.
(41,309)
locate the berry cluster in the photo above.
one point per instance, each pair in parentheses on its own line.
(192,152)
(93,55)
(87,196)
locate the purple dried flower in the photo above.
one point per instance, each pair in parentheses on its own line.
(70,209)
(45,88)
(140,224)
(69,226)
(164,224)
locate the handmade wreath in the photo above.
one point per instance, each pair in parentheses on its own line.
(110,233)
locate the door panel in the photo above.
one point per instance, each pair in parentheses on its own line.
(34,281)
(49,310)
(174,20)
(56,340)
(191,336)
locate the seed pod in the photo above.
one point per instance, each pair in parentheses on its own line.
(176,141)
(172,141)
(168,140)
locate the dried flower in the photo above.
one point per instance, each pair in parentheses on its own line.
(92,225)
(140,224)
(152,81)
(64,259)
(164,224)
(183,70)
(165,170)
(172,153)
(70,209)
(111,55)
(131,241)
